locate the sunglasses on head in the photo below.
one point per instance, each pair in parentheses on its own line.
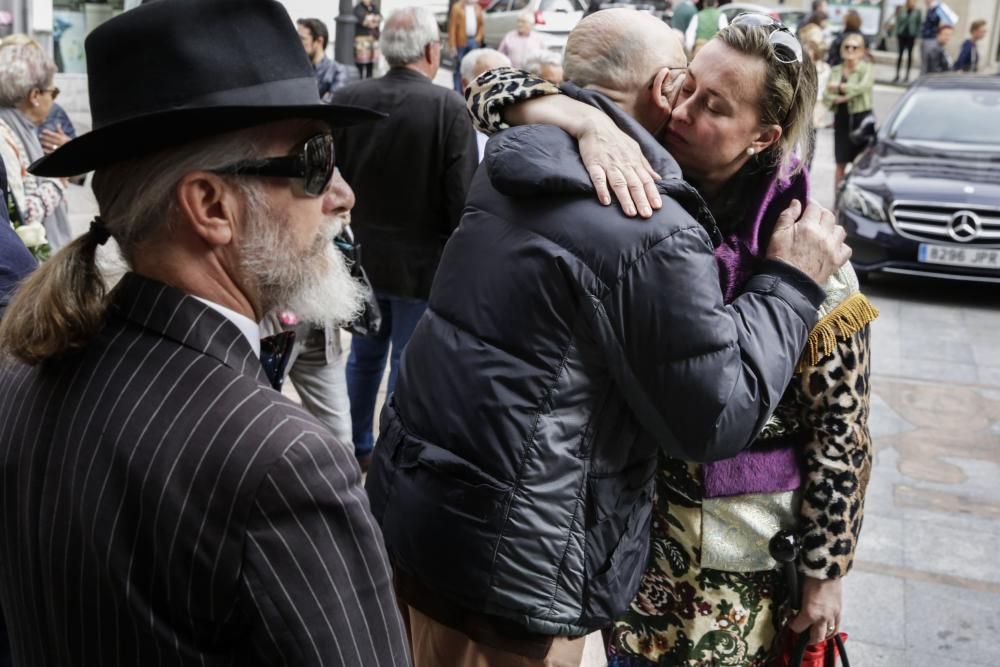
(787,49)
(314,165)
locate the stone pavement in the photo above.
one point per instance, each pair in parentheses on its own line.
(925,590)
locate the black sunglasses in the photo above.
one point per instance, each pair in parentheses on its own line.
(787,49)
(313,164)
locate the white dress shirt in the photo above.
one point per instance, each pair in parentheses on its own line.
(249,328)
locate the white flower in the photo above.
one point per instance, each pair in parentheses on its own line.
(32,235)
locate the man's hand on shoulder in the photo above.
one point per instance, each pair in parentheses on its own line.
(809,240)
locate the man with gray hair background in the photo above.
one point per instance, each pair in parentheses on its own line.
(476,62)
(411,173)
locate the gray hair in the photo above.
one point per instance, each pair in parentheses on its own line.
(136,197)
(470,63)
(406,33)
(62,305)
(536,61)
(23,68)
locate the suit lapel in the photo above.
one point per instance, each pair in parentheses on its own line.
(175,315)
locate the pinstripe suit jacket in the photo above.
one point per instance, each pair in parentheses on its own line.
(160,504)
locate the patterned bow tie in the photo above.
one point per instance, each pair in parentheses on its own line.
(275,352)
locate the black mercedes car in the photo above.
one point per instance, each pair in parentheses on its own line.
(924,199)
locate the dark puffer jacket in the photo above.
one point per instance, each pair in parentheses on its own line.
(563,345)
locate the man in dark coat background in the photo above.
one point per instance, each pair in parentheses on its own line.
(411,173)
(160,503)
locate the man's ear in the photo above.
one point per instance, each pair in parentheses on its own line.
(768,136)
(662,98)
(209,207)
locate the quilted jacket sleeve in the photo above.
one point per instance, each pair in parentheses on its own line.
(703,377)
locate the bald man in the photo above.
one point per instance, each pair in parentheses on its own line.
(563,349)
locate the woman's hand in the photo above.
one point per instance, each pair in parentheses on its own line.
(614,160)
(52,140)
(821,605)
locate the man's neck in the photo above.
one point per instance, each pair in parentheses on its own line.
(422,67)
(317,57)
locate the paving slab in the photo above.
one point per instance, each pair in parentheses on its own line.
(871,611)
(951,623)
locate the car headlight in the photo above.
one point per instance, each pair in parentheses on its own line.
(868,204)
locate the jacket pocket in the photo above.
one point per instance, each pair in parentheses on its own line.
(617,540)
(442,519)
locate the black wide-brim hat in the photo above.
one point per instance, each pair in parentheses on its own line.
(172,71)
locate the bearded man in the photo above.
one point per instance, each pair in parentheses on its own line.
(160,503)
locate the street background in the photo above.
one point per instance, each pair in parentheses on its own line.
(925,589)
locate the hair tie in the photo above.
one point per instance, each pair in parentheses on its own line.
(99,231)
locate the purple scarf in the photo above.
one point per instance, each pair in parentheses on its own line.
(758,469)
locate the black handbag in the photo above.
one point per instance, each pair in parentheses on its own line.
(369,320)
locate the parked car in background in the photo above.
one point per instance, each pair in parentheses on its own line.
(553,19)
(925,198)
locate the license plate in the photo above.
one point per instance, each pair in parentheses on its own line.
(956,256)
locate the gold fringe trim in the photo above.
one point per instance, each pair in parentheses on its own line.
(849,317)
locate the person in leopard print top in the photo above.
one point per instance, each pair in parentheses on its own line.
(711,594)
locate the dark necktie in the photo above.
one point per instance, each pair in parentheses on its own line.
(274,354)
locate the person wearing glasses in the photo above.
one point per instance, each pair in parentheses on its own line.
(27,94)
(711,593)
(160,502)
(849,95)
(57,128)
(567,349)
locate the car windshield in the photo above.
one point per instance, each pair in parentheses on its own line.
(929,117)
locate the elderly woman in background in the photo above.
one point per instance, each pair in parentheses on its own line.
(848,94)
(26,96)
(57,128)
(523,42)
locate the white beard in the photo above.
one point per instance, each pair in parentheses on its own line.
(316,285)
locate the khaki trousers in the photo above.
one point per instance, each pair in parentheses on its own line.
(437,645)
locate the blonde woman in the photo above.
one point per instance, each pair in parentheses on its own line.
(849,94)
(814,46)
